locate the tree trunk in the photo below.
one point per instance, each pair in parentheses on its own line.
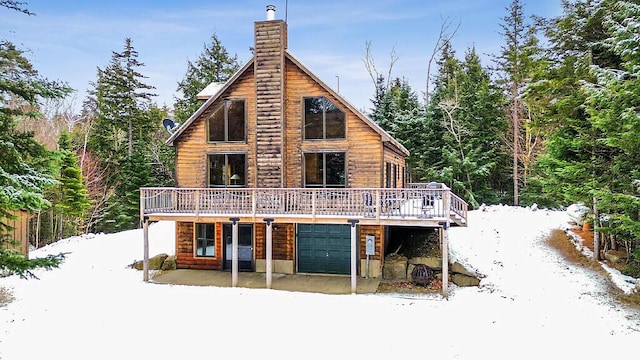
(516,133)
(614,243)
(130,150)
(596,231)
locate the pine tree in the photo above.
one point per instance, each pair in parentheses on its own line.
(22,180)
(574,160)
(122,123)
(468,111)
(517,60)
(121,98)
(482,105)
(73,200)
(161,157)
(22,176)
(612,104)
(399,112)
(213,65)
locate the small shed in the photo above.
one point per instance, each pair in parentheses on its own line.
(19,235)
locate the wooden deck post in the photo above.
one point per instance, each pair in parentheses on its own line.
(145,262)
(354,254)
(234,251)
(444,238)
(269,251)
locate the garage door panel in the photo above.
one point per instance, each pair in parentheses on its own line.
(324,248)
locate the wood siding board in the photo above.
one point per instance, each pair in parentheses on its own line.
(185,252)
(19,235)
(190,162)
(362,145)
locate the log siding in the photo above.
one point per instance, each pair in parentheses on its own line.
(270,45)
(273,85)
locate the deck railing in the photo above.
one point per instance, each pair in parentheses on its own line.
(413,202)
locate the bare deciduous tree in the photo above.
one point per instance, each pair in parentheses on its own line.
(370,65)
(447,32)
(97,189)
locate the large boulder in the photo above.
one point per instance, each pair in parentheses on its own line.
(169,263)
(155,263)
(433,262)
(395,267)
(458,268)
(464,280)
(615,257)
(462,276)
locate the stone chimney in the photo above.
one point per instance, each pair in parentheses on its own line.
(269,68)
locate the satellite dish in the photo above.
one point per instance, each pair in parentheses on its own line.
(169,125)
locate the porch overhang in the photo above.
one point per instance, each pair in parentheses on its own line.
(416,206)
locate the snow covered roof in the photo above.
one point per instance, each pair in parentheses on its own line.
(210,91)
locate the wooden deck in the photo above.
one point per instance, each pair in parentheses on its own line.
(417,205)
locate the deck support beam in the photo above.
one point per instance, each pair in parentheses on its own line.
(234,251)
(269,251)
(354,254)
(444,240)
(145,262)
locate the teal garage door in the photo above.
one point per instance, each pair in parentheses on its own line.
(324,248)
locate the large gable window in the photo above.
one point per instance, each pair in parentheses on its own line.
(227,123)
(323,119)
(324,169)
(227,170)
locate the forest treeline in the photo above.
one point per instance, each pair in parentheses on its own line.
(552,118)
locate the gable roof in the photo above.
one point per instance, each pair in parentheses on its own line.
(218,90)
(385,136)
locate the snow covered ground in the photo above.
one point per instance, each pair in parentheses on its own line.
(531,305)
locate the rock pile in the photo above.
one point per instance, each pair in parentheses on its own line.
(398,267)
(158,262)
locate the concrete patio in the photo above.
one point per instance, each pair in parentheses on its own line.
(325,284)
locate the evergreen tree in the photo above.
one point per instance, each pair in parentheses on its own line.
(122,123)
(516,62)
(432,149)
(485,157)
(469,113)
(161,157)
(612,104)
(575,162)
(122,96)
(22,176)
(72,201)
(213,65)
(398,111)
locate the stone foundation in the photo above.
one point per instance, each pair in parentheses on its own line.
(374,268)
(279,266)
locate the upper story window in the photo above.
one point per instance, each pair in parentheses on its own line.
(228,122)
(227,170)
(323,119)
(324,169)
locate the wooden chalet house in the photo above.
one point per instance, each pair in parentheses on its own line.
(276,172)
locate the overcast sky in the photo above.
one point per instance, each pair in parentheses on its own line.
(68,40)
